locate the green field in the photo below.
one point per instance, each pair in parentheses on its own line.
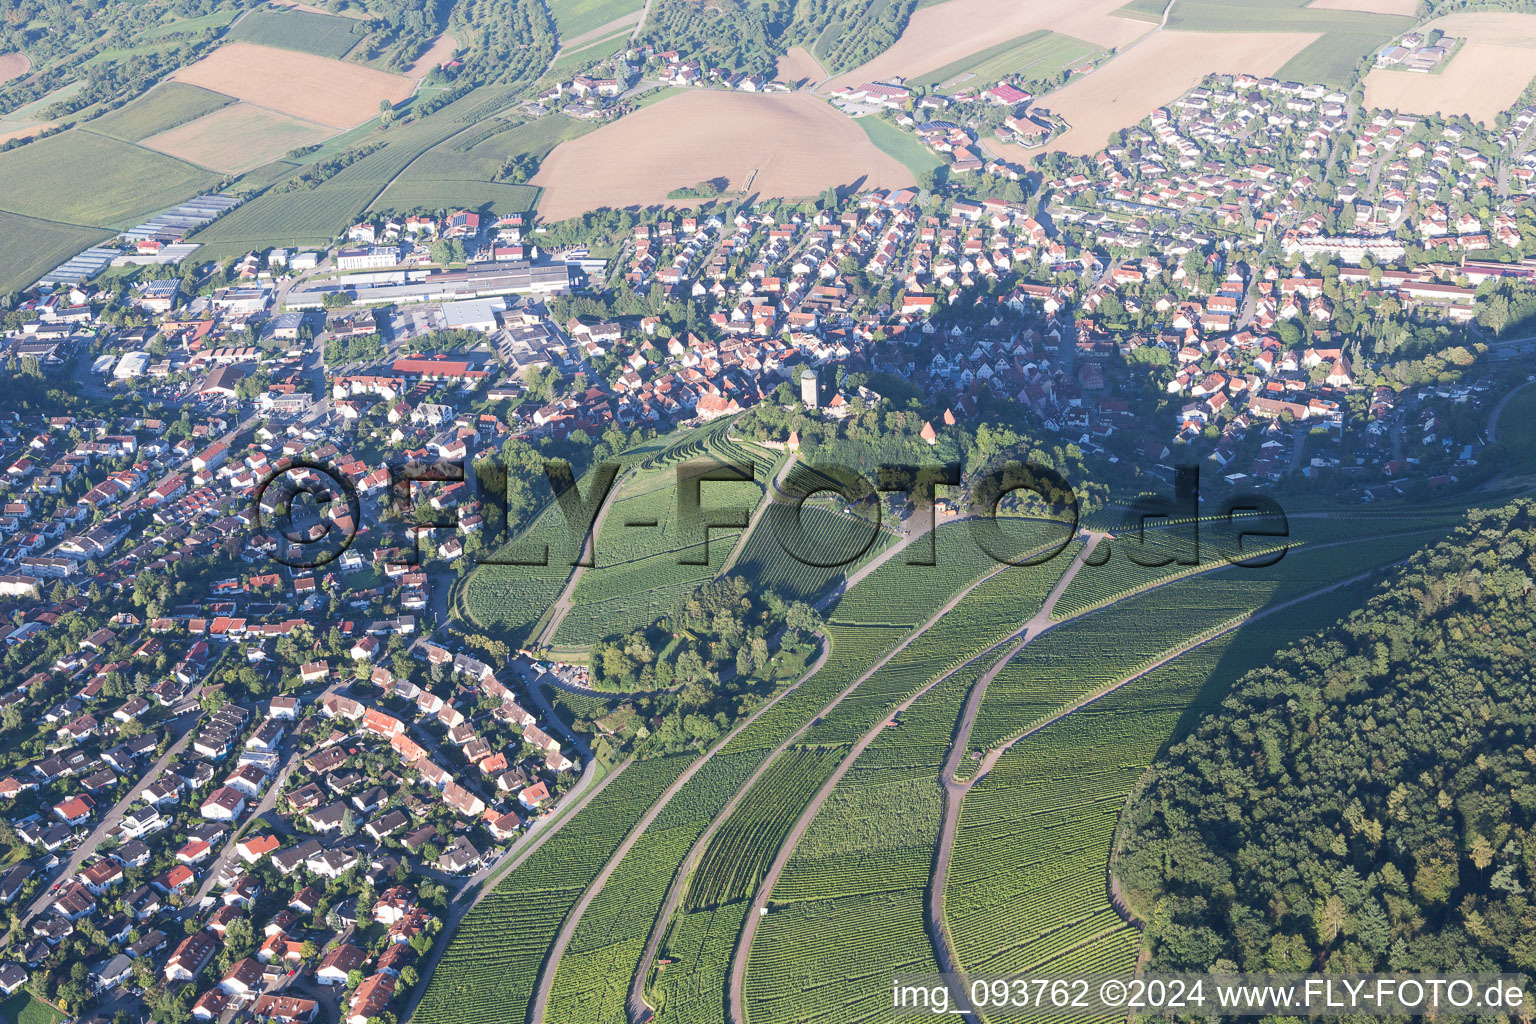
(491,965)
(323,34)
(1033,55)
(37,246)
(165,106)
(25,1008)
(1143,10)
(852,895)
(1517,431)
(404,196)
(1348,36)
(305,217)
(578,17)
(1027,884)
(478,155)
(78,177)
(902,146)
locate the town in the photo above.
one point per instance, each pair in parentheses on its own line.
(240,783)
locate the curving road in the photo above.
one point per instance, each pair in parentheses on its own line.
(955,789)
(639,1010)
(551,965)
(1037,624)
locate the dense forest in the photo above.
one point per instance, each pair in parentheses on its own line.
(750,35)
(1368,800)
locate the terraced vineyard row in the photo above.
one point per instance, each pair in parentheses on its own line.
(739,854)
(1080,656)
(999,607)
(903,594)
(700,943)
(1027,886)
(488,972)
(641,572)
(1096,586)
(608,944)
(690,989)
(828,536)
(847,913)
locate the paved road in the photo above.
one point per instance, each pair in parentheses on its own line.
(266,803)
(955,789)
(1039,621)
(551,965)
(562,606)
(114,816)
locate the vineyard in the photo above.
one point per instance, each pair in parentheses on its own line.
(827,535)
(640,572)
(902,593)
(995,610)
(690,989)
(1079,656)
(606,949)
(1096,586)
(848,911)
(1034,835)
(739,855)
(488,972)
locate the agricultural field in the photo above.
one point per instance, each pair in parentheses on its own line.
(13,65)
(473,195)
(639,571)
(786,145)
(605,949)
(901,592)
(1345,36)
(237,138)
(1034,837)
(995,610)
(490,967)
(1404,8)
(439,53)
(1100,648)
(303,85)
(957,30)
(575,19)
(630,562)
(479,155)
(798,67)
(162,108)
(691,988)
(1156,71)
(848,911)
(739,854)
(825,535)
(48,245)
(1143,10)
(305,217)
(1484,77)
(899,145)
(1034,55)
(325,35)
(60,178)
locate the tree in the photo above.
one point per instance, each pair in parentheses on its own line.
(447,250)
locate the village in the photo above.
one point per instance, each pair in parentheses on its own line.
(266,786)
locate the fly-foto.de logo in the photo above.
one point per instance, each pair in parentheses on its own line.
(307,513)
